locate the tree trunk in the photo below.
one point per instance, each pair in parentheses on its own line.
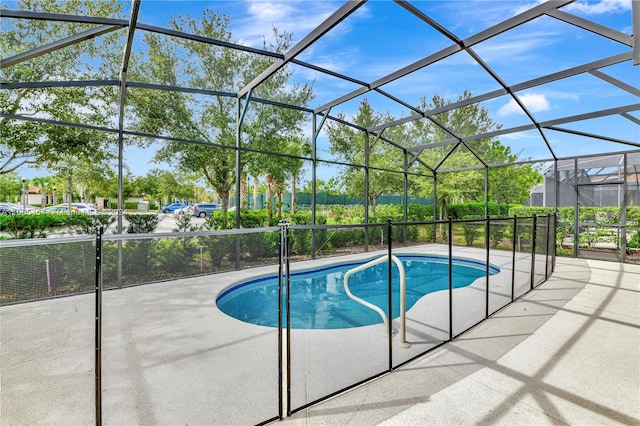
(268,182)
(372,204)
(43,197)
(256,183)
(244,196)
(293,194)
(224,203)
(443,211)
(69,194)
(278,189)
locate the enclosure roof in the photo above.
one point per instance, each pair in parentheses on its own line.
(559,77)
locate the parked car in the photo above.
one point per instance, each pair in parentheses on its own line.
(184,210)
(85,208)
(62,208)
(169,208)
(6,210)
(205,209)
(14,208)
(10,208)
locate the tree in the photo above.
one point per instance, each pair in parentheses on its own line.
(46,185)
(506,184)
(510,184)
(10,186)
(348,146)
(209,119)
(41,144)
(274,129)
(331,186)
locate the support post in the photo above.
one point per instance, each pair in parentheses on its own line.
(623,205)
(405,213)
(555,230)
(281,366)
(533,251)
(486,245)
(366,191)
(450,280)
(98,327)
(120,204)
(513,256)
(314,165)
(390,292)
(576,213)
(546,261)
(284,346)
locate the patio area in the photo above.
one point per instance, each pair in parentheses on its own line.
(566,353)
(169,355)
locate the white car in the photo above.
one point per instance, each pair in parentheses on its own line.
(17,208)
(85,208)
(184,210)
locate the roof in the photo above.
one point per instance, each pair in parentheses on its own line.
(558,77)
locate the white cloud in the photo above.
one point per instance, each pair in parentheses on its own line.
(294,16)
(532,101)
(603,6)
(589,7)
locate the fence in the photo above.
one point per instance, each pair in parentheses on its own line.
(79,348)
(304,200)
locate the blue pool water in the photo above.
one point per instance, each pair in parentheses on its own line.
(318,299)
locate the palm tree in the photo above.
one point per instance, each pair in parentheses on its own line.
(45,185)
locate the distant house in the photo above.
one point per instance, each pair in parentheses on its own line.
(597,181)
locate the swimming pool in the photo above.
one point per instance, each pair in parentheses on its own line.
(319,301)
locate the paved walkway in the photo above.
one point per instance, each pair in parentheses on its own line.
(566,353)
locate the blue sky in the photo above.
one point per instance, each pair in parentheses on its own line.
(381,37)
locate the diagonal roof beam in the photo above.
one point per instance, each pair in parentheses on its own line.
(500,28)
(620,84)
(590,115)
(206,40)
(571,72)
(631,117)
(544,124)
(337,17)
(43,16)
(594,136)
(400,73)
(585,24)
(484,66)
(57,45)
(43,84)
(635,13)
(517,100)
(135,8)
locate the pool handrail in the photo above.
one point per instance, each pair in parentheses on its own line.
(403,295)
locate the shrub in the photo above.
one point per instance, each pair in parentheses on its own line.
(634,242)
(253,218)
(471,230)
(141,223)
(22,226)
(301,238)
(87,224)
(419,213)
(218,247)
(496,234)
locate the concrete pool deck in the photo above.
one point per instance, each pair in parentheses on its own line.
(566,353)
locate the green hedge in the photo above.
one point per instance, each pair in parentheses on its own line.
(22,226)
(606,215)
(461,211)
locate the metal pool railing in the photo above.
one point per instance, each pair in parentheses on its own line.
(403,297)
